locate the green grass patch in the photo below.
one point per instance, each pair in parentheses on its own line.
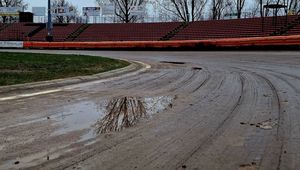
(18,68)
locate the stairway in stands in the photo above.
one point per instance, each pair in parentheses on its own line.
(172,33)
(285,29)
(4,26)
(77,32)
(33,32)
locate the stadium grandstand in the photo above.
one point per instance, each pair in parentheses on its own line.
(198,30)
(63,25)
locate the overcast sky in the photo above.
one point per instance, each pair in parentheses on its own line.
(43,3)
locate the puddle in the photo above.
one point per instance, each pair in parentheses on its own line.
(93,118)
(108,115)
(78,117)
(265,125)
(172,62)
(121,113)
(127,111)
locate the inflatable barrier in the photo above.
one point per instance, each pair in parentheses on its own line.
(274,41)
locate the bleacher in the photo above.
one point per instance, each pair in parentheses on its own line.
(295,30)
(294,27)
(60,32)
(199,30)
(17,31)
(127,32)
(235,28)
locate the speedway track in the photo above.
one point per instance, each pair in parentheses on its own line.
(230,110)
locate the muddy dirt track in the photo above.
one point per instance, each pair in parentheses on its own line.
(190,110)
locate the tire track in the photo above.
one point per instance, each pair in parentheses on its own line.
(152,156)
(219,130)
(279,134)
(208,77)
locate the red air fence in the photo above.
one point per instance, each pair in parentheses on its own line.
(276,41)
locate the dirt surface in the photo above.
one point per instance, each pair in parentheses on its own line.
(190,110)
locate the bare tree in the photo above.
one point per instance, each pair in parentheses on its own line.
(186,10)
(261,5)
(124,9)
(218,7)
(11,3)
(239,7)
(294,6)
(267,12)
(253,9)
(229,8)
(276,10)
(68,17)
(165,12)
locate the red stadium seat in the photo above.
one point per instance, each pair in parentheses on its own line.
(235,28)
(126,32)
(213,29)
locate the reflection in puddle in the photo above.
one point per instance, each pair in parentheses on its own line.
(127,111)
(109,115)
(121,113)
(85,120)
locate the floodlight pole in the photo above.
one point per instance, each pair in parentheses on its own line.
(49,36)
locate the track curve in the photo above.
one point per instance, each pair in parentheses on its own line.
(229,110)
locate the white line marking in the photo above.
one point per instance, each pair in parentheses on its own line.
(29,95)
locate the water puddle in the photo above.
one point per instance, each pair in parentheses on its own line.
(121,113)
(89,119)
(265,125)
(77,117)
(108,115)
